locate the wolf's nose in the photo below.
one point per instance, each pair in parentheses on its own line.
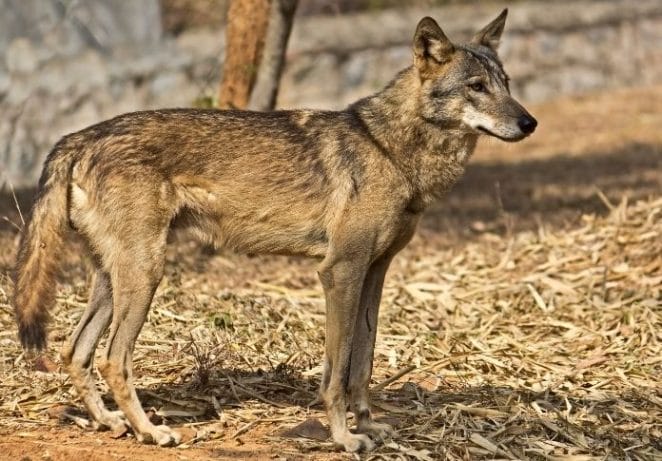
(527,124)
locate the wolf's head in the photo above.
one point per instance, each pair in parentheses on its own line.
(465,84)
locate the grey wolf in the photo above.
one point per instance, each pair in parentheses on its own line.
(347,187)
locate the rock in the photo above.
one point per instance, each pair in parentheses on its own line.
(21,57)
(168,82)
(4,84)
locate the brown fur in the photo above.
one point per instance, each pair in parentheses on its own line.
(346,187)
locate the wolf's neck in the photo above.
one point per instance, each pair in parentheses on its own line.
(431,157)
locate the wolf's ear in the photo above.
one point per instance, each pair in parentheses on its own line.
(431,46)
(490,35)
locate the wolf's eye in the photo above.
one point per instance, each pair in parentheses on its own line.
(478,87)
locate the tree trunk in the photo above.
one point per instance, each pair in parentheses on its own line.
(265,91)
(245,38)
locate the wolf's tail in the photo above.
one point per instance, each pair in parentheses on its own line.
(39,248)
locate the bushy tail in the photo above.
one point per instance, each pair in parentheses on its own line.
(39,249)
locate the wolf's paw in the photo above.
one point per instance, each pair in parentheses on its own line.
(376,430)
(354,442)
(160,435)
(113,421)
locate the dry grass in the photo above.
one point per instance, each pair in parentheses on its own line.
(538,340)
(544,345)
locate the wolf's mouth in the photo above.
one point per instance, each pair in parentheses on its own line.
(490,133)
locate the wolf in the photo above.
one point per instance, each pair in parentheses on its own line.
(346,187)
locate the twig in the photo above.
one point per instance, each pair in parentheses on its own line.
(18,208)
(252,393)
(394,378)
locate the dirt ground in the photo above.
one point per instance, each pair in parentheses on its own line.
(230,353)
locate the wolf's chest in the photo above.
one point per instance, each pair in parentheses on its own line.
(440,168)
(457,149)
(462,154)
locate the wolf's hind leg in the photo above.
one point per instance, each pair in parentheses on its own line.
(135,276)
(78,353)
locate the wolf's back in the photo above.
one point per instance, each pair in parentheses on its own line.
(41,240)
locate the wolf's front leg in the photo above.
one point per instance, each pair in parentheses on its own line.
(363,348)
(342,279)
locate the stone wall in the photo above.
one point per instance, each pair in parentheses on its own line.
(549,48)
(65,67)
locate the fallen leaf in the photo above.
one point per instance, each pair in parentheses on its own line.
(119,433)
(59,411)
(591,361)
(311,428)
(44,364)
(187,433)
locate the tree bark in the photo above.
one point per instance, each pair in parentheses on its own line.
(245,38)
(264,93)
